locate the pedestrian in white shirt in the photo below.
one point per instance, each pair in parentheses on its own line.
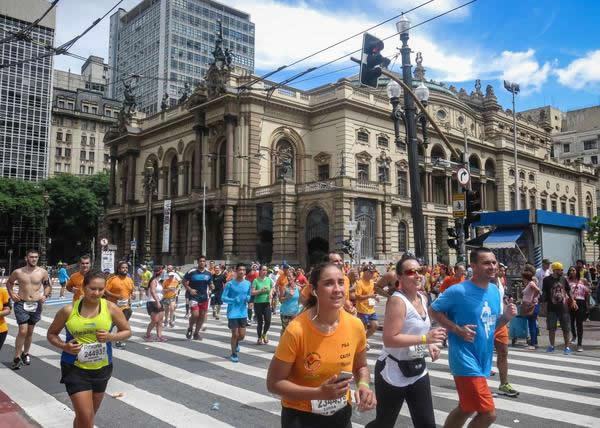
(543,272)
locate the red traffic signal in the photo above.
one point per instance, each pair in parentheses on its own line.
(371,60)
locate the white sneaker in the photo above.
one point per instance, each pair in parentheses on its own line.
(580,349)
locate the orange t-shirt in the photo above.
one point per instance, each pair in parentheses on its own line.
(4,299)
(449,281)
(316,356)
(76,281)
(122,288)
(170,286)
(305,292)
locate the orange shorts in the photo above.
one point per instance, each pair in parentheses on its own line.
(474,394)
(501,335)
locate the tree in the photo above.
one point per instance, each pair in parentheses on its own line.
(594,230)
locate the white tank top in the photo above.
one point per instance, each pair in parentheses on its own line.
(414,324)
(159,291)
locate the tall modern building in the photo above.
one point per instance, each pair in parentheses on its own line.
(25,89)
(169,43)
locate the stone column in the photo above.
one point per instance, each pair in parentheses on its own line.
(112,190)
(189,237)
(379,230)
(197,167)
(430,185)
(131,178)
(228,232)
(388,229)
(174,238)
(181,189)
(484,194)
(230,123)
(155,244)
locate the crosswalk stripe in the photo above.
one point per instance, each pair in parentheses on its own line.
(532,410)
(152,404)
(266,353)
(40,406)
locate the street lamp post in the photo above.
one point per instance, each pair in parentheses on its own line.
(514,89)
(149,188)
(10,253)
(44,231)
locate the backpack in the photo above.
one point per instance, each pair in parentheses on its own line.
(557,293)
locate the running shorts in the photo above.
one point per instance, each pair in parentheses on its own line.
(27,316)
(167,301)
(474,394)
(77,379)
(365,318)
(198,306)
(293,418)
(237,323)
(501,335)
(152,308)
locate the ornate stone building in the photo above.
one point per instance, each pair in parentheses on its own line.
(287,170)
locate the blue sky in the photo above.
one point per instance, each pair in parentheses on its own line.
(551,47)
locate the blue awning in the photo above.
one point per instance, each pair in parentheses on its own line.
(503,238)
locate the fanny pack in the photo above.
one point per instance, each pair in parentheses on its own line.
(410,368)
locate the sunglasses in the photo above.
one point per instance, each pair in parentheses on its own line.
(412,272)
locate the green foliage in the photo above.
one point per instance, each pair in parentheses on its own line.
(74,206)
(594,230)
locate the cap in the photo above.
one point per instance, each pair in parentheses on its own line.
(285,266)
(276,269)
(171,274)
(158,268)
(557,266)
(369,268)
(502,265)
(546,261)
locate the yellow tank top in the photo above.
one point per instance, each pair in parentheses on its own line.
(93,355)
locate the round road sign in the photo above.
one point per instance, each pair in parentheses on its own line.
(104,242)
(463,176)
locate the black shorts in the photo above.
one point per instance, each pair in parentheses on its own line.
(77,379)
(2,338)
(152,308)
(237,323)
(26,317)
(127,312)
(292,418)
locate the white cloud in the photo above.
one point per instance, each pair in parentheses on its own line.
(581,72)
(522,68)
(434,8)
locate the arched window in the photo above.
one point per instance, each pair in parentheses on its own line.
(589,206)
(173,177)
(402,237)
(490,169)
(437,153)
(285,160)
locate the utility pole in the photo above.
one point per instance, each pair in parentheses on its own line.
(514,89)
(149,187)
(204,219)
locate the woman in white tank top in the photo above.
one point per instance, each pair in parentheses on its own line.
(400,372)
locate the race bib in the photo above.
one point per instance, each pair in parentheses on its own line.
(193,303)
(328,407)
(371,302)
(416,351)
(92,353)
(30,306)
(122,303)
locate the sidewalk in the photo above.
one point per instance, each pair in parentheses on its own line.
(11,415)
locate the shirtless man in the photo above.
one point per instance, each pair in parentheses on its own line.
(34,289)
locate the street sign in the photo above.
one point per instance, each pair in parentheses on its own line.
(111,247)
(458,205)
(133,245)
(107,263)
(463,176)
(104,242)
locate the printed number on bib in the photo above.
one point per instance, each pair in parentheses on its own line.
(30,306)
(417,351)
(371,302)
(328,407)
(122,302)
(92,353)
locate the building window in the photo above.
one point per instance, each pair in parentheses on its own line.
(544,204)
(57,167)
(82,155)
(61,104)
(589,145)
(67,167)
(82,169)
(69,138)
(594,160)
(92,156)
(402,237)
(403,184)
(86,109)
(511,172)
(554,205)
(59,151)
(532,201)
(566,148)
(531,178)
(90,170)
(383,174)
(70,105)
(362,137)
(95,110)
(383,140)
(83,140)
(106,158)
(108,113)
(92,140)
(512,201)
(522,175)
(572,209)
(59,136)
(363,172)
(323,172)
(67,152)
(563,207)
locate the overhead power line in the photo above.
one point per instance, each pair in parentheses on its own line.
(23,34)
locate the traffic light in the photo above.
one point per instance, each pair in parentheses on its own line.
(473,206)
(453,238)
(371,60)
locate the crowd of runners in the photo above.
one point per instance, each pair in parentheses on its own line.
(327,314)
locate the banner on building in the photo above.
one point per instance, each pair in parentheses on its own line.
(166,226)
(107,263)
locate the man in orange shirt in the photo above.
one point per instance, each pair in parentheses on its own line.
(75,282)
(119,289)
(459,276)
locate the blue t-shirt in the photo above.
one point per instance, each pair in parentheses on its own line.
(466,303)
(290,306)
(199,281)
(237,295)
(63,275)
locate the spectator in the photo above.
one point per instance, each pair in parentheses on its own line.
(450,280)
(555,291)
(530,306)
(579,309)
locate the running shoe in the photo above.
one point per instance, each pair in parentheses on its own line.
(580,349)
(197,337)
(171,324)
(17,364)
(508,390)
(264,338)
(259,341)
(148,338)
(531,348)
(550,348)
(234,358)
(237,348)
(493,372)
(162,339)
(567,351)
(188,334)
(26,358)
(120,345)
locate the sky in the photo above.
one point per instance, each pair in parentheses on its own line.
(550,47)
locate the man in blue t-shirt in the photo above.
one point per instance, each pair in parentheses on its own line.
(198,283)
(237,295)
(470,311)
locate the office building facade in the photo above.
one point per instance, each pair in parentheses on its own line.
(25,89)
(169,43)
